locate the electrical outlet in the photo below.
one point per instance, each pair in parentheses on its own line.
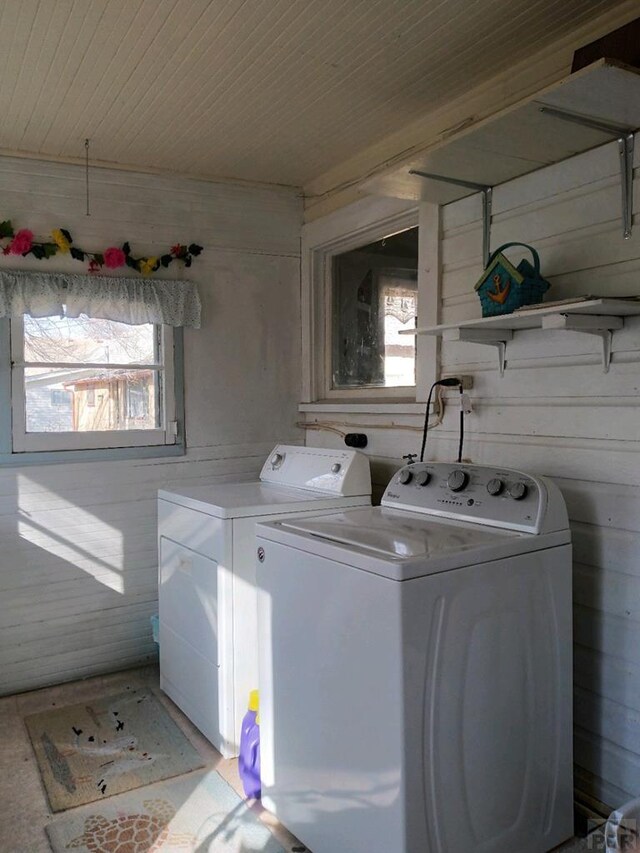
(467,381)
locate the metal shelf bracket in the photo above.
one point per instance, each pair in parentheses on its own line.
(487,200)
(625,149)
(497,338)
(625,138)
(501,346)
(591,324)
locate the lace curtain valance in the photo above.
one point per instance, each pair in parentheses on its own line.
(127,300)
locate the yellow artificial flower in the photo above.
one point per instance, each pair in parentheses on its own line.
(60,240)
(147,265)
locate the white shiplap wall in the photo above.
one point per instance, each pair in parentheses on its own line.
(78,562)
(556,413)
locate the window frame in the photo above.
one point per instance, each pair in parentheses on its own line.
(351,228)
(17,447)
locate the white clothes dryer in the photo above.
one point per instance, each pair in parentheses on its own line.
(416,668)
(207,593)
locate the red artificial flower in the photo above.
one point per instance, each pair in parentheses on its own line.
(114,258)
(6,250)
(94,266)
(177,250)
(21,242)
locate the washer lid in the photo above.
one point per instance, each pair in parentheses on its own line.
(395,535)
(401,545)
(237,500)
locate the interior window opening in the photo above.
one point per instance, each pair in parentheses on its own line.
(375,298)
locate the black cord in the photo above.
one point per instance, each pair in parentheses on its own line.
(461,433)
(450,382)
(426,422)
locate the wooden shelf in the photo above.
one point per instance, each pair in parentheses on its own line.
(600,317)
(587,109)
(523,138)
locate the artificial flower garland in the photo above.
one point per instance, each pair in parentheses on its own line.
(22,243)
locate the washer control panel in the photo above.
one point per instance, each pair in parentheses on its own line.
(500,497)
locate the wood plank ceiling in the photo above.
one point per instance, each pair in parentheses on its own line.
(276,91)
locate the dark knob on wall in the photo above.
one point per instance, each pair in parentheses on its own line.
(355,439)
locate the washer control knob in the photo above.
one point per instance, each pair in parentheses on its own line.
(405,476)
(336,468)
(495,486)
(277,459)
(422,478)
(518,491)
(457,480)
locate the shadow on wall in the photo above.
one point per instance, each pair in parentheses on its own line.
(78,573)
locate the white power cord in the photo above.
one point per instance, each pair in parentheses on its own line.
(335,426)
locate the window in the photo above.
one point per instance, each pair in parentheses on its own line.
(340,367)
(138,396)
(90,384)
(374,297)
(60,397)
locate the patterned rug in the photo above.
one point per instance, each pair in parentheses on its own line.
(198,813)
(93,750)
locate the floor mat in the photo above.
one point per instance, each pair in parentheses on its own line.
(194,814)
(96,749)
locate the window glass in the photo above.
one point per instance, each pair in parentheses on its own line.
(96,399)
(84,375)
(375,298)
(85,340)
(80,384)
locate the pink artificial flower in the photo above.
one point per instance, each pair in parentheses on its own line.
(22,242)
(114,258)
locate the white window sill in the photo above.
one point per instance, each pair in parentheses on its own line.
(48,457)
(371,407)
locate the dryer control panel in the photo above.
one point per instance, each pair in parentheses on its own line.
(498,497)
(343,473)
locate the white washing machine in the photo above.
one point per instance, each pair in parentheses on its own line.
(207,593)
(416,668)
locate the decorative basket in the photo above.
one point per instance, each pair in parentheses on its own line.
(504,288)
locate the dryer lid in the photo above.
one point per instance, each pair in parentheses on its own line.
(238,500)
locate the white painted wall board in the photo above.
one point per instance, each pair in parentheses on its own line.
(586,781)
(78,571)
(605,760)
(614,638)
(607,549)
(617,724)
(611,592)
(556,413)
(599,676)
